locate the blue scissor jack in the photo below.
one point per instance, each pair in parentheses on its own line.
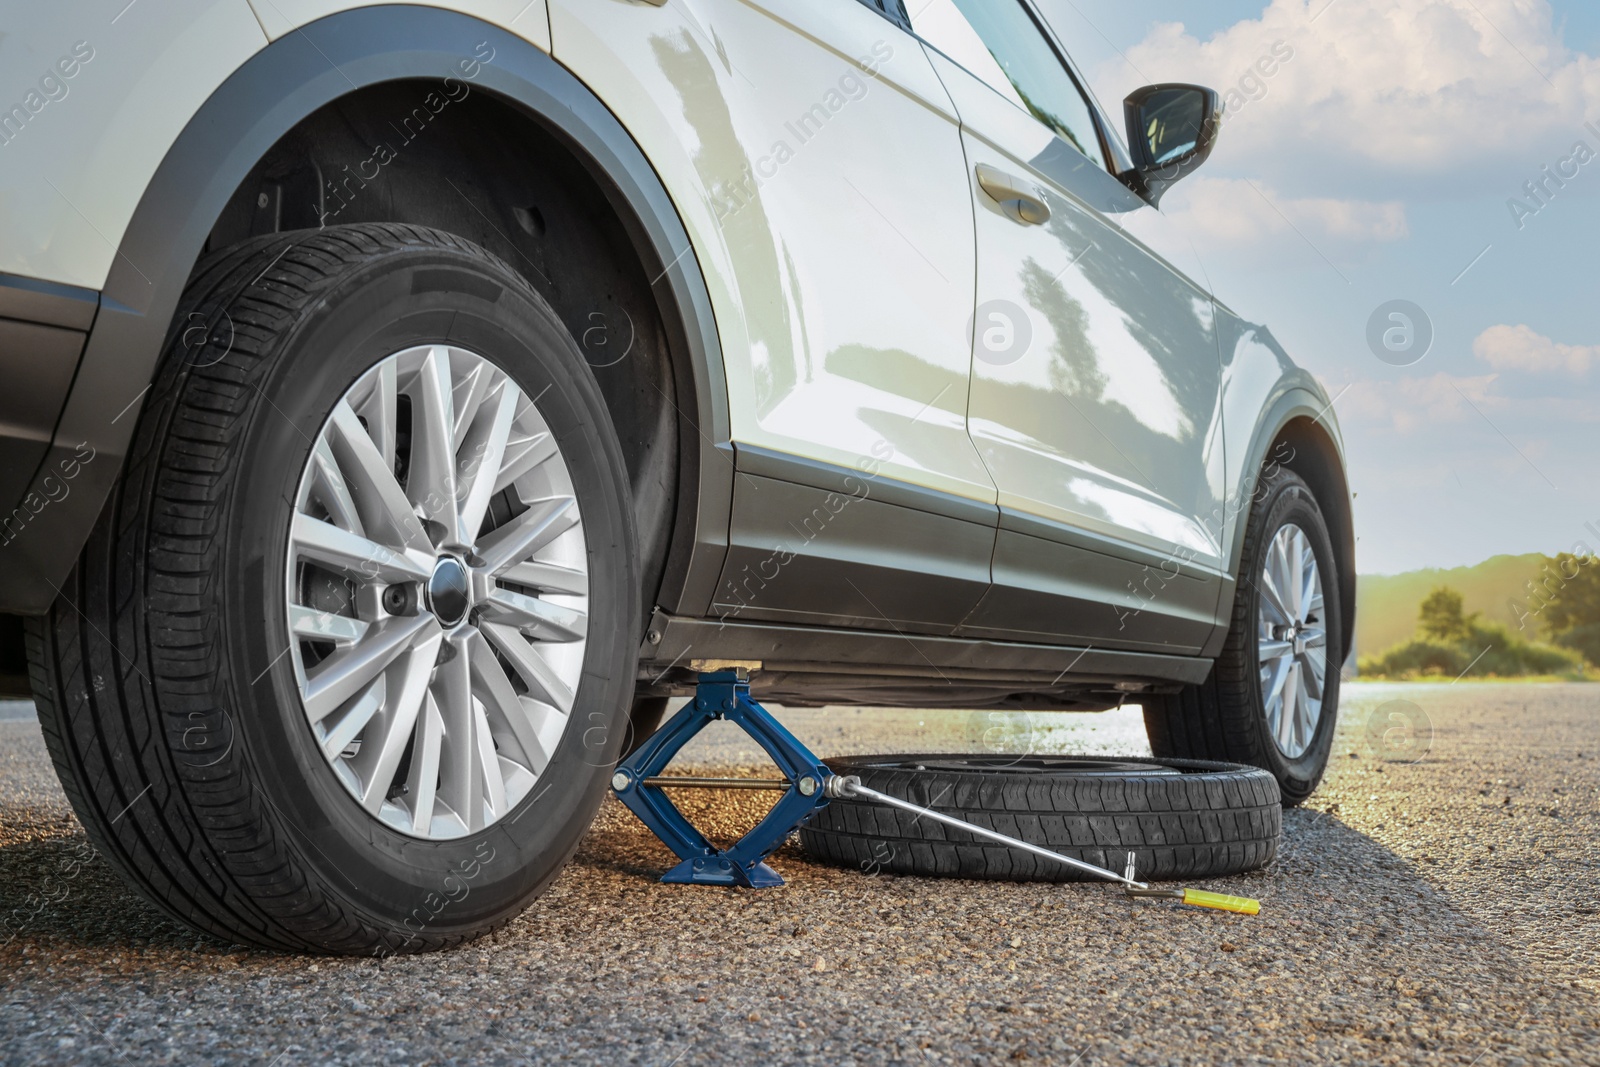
(807,787)
(722,694)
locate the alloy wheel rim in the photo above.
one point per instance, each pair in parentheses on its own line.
(437,592)
(1291,641)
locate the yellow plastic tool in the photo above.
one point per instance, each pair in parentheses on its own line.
(1198,898)
(1221,901)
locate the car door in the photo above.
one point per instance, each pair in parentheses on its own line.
(817,161)
(1095,383)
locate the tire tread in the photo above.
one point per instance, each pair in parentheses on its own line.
(1218,719)
(117,691)
(1219,819)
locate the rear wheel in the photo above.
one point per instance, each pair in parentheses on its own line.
(1272,698)
(643,721)
(326,674)
(1179,818)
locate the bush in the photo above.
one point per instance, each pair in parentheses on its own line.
(1449,643)
(1419,657)
(1584,639)
(1509,656)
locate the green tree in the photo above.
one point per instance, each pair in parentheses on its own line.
(1440,617)
(1573,617)
(1578,601)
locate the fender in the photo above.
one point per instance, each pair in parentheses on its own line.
(260,102)
(1299,411)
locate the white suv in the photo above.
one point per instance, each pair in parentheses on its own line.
(403,401)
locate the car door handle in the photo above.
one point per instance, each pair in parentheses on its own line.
(1021,199)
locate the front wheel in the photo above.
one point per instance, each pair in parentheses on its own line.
(1272,697)
(347,658)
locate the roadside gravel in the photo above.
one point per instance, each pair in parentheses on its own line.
(1442,911)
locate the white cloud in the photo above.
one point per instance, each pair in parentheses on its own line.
(1439,90)
(1240,212)
(1488,402)
(1410,404)
(1521,348)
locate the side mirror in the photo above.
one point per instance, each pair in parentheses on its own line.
(1171,130)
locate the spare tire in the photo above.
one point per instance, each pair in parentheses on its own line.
(1182,818)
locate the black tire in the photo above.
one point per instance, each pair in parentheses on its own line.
(1183,819)
(169,706)
(1224,717)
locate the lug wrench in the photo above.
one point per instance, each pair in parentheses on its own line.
(850,786)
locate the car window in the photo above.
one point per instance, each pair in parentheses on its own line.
(893,10)
(998,42)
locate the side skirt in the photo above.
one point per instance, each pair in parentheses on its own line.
(816,665)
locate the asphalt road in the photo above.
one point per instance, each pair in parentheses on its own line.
(1445,910)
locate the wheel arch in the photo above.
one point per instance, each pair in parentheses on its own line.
(264,100)
(1298,431)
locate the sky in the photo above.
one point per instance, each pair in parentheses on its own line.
(1378,163)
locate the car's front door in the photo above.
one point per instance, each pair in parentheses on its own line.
(840,249)
(1096,377)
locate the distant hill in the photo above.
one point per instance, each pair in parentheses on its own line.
(1386,604)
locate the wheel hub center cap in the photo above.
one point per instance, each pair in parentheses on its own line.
(449,594)
(408,650)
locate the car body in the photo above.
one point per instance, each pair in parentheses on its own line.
(920,398)
(820,384)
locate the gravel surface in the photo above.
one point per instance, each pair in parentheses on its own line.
(1441,910)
